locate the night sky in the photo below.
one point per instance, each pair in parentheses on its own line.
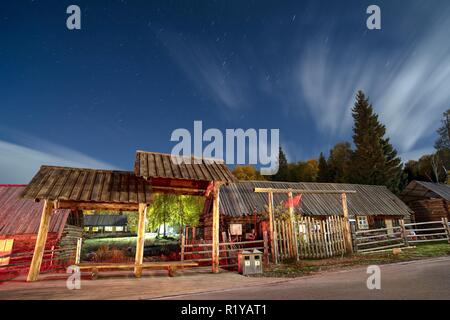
(137,70)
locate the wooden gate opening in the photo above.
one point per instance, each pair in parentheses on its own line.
(92,189)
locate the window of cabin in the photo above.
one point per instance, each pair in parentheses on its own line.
(119,229)
(379,224)
(363,224)
(94,229)
(108,229)
(86,229)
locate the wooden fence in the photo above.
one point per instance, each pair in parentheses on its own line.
(403,235)
(317,238)
(53,259)
(201,251)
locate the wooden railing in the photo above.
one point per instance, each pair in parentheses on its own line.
(53,259)
(228,251)
(401,236)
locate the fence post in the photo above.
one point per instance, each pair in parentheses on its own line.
(354,238)
(266,248)
(347,235)
(404,233)
(183,240)
(78,252)
(447,228)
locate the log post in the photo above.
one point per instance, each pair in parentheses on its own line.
(183,241)
(292,218)
(404,232)
(347,232)
(271,229)
(78,252)
(41,238)
(215,229)
(139,259)
(266,248)
(447,228)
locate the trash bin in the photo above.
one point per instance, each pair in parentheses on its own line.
(250,262)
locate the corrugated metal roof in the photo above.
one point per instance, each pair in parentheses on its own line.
(89,185)
(239,199)
(158,165)
(417,190)
(104,220)
(20,216)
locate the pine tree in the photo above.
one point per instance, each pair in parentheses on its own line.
(395,177)
(283,169)
(374,160)
(324,174)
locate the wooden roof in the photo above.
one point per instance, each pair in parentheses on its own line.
(20,216)
(419,190)
(165,166)
(239,199)
(88,185)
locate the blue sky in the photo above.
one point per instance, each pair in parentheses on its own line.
(137,70)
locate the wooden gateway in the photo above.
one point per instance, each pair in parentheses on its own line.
(92,189)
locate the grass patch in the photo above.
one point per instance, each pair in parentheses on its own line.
(306,267)
(90,245)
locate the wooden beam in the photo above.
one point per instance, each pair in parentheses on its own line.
(179,190)
(215,228)
(303,191)
(347,230)
(82,205)
(39,247)
(292,220)
(139,259)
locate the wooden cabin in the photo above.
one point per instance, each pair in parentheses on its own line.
(370,207)
(428,200)
(106,224)
(19,225)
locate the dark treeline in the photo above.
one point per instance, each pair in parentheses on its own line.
(370,159)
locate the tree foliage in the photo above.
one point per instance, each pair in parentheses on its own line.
(247,173)
(170,209)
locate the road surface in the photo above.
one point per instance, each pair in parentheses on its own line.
(426,279)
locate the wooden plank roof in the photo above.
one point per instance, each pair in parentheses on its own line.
(239,199)
(88,185)
(160,165)
(419,190)
(20,216)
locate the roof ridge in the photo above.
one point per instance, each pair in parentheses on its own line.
(183,156)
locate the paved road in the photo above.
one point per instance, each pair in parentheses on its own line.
(428,279)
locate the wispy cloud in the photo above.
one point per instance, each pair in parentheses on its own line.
(18,163)
(409,88)
(208,69)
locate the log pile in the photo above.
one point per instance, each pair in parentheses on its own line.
(70,236)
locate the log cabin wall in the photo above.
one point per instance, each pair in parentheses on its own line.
(430,209)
